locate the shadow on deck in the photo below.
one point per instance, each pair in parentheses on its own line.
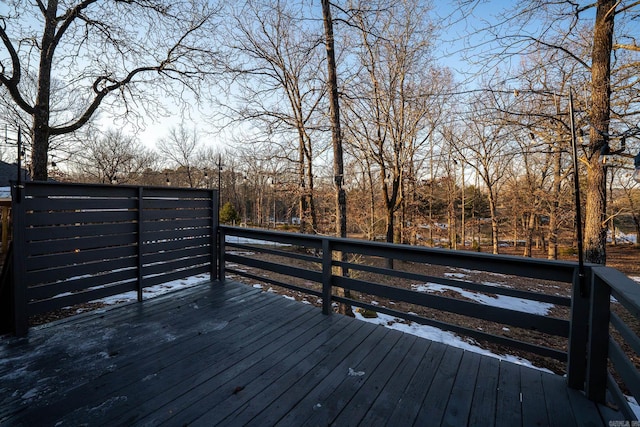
(234,355)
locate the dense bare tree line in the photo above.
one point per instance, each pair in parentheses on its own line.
(427,158)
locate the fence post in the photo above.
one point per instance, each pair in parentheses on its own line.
(213,262)
(140,240)
(221,248)
(5,228)
(577,362)
(598,346)
(20,309)
(327,276)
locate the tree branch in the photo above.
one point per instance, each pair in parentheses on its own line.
(41,6)
(627,7)
(633,47)
(12,83)
(100,95)
(68,18)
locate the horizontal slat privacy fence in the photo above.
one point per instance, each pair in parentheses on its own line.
(81,242)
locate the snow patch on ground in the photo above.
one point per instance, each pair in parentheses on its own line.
(438,335)
(501,301)
(154,291)
(497,284)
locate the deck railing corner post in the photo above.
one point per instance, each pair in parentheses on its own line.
(598,341)
(578,333)
(327,276)
(221,249)
(20,298)
(216,271)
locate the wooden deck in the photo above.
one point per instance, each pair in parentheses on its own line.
(233,355)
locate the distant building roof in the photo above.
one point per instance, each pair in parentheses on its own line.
(9,172)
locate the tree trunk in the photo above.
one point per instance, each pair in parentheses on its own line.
(531,222)
(372,204)
(451,221)
(595,226)
(463,225)
(494,222)
(595,230)
(336,142)
(311,205)
(41,131)
(555,203)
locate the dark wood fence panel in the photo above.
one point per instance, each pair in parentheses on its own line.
(79,242)
(178,235)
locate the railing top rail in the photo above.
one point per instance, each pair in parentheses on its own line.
(96,185)
(504,264)
(625,290)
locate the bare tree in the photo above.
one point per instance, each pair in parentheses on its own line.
(336,143)
(336,134)
(597,47)
(103,54)
(538,117)
(274,62)
(113,158)
(489,151)
(180,149)
(392,105)
(595,231)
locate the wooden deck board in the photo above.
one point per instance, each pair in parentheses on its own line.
(352,379)
(534,411)
(509,399)
(329,376)
(234,355)
(267,390)
(483,408)
(411,400)
(380,411)
(557,401)
(217,403)
(180,387)
(433,407)
(139,366)
(459,403)
(374,382)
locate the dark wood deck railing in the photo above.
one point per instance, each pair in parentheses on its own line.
(613,332)
(586,330)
